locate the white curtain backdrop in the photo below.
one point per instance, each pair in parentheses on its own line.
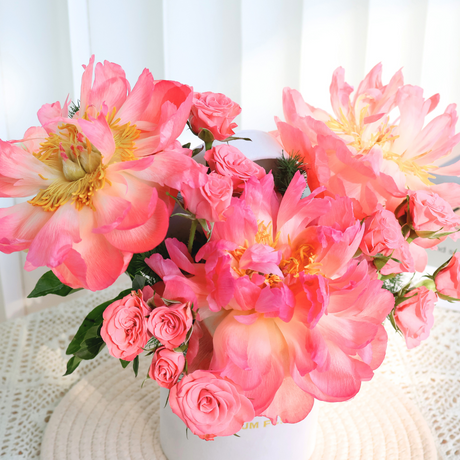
(247,49)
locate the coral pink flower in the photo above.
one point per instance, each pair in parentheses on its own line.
(99,179)
(166,367)
(414,316)
(292,315)
(210,405)
(448,279)
(363,150)
(170,324)
(211,200)
(124,328)
(431,214)
(214,112)
(229,161)
(383,236)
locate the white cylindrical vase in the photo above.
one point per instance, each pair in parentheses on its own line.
(257,440)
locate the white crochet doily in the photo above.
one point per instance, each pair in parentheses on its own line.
(107,415)
(33,361)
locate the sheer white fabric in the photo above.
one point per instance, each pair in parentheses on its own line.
(247,49)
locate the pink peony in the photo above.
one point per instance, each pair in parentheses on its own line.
(171,324)
(383,235)
(210,405)
(374,146)
(229,161)
(414,316)
(124,328)
(211,200)
(214,112)
(100,178)
(430,213)
(448,279)
(166,367)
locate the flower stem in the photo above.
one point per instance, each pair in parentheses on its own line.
(192,235)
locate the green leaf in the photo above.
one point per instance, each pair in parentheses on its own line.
(49,283)
(136,365)
(93,320)
(152,344)
(137,266)
(187,145)
(197,151)
(236,138)
(139,282)
(72,364)
(124,363)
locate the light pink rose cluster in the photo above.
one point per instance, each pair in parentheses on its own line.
(211,200)
(210,405)
(124,328)
(228,161)
(170,324)
(448,279)
(287,313)
(414,316)
(431,214)
(214,112)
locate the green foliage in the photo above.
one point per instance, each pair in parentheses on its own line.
(137,266)
(285,169)
(395,284)
(74,108)
(49,283)
(88,343)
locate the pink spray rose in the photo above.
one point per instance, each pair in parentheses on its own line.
(431,213)
(171,324)
(415,316)
(210,405)
(214,112)
(211,200)
(448,279)
(383,235)
(166,367)
(124,328)
(229,161)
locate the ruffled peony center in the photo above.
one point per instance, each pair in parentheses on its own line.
(80,163)
(300,260)
(354,130)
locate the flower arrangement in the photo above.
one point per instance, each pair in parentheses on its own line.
(279,293)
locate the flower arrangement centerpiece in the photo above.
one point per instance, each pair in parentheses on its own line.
(278,294)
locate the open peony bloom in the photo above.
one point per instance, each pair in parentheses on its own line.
(292,315)
(99,179)
(375,144)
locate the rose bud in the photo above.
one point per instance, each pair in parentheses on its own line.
(448,279)
(214,112)
(124,327)
(210,201)
(414,316)
(431,214)
(166,367)
(210,405)
(229,161)
(171,324)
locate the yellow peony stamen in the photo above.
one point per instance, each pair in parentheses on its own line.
(80,163)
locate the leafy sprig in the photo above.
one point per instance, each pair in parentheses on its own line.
(285,169)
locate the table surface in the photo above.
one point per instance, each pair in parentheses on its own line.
(33,361)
